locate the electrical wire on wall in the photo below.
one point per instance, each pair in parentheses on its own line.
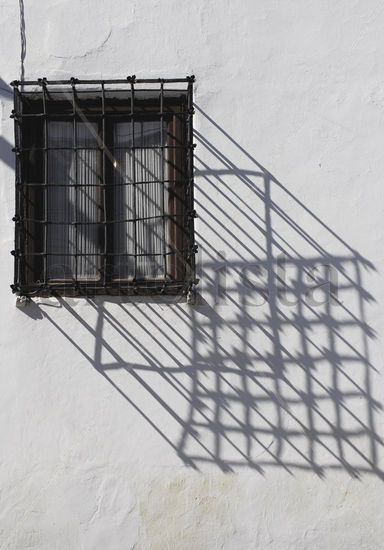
(23,40)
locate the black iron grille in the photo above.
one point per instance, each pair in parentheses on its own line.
(104,186)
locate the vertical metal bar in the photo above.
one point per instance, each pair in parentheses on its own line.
(45,122)
(18,188)
(162,175)
(190,197)
(133,158)
(73,83)
(104,185)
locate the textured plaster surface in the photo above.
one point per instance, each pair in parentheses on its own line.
(254,419)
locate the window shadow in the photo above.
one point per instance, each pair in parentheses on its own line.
(272,367)
(6,154)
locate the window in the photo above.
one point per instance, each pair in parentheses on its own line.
(104,187)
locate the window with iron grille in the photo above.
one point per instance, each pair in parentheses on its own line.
(104,187)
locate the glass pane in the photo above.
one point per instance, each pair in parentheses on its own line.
(65,207)
(145,200)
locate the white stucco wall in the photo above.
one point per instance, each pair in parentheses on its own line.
(254,419)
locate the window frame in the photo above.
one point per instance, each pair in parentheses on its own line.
(158,103)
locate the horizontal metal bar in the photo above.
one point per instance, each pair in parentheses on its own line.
(167,216)
(85,91)
(112,283)
(120,114)
(100,185)
(63,254)
(119,147)
(22,149)
(75,81)
(101,254)
(129,287)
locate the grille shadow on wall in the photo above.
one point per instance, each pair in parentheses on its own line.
(297,389)
(272,368)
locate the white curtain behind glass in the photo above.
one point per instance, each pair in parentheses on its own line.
(63,206)
(150,170)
